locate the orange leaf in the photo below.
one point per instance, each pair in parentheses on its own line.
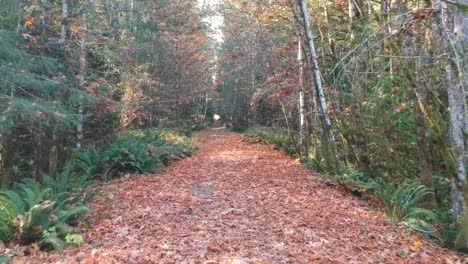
(417,245)
(29,21)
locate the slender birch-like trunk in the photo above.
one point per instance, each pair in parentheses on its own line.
(303,142)
(81,77)
(330,33)
(63,26)
(351,15)
(316,77)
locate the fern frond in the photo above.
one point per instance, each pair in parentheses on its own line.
(64,215)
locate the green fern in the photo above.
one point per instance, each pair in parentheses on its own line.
(402,201)
(15,200)
(420,226)
(65,185)
(7,216)
(35,221)
(65,214)
(361,181)
(50,240)
(26,194)
(74,240)
(143,151)
(89,163)
(278,137)
(52,203)
(439,225)
(129,155)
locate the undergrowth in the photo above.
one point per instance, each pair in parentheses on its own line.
(134,151)
(31,208)
(403,202)
(46,211)
(280,138)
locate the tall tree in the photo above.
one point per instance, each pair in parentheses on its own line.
(304,22)
(303,138)
(456,90)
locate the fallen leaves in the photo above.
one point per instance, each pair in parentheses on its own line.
(234,202)
(417,245)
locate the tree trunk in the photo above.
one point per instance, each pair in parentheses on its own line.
(53,153)
(385,7)
(359,136)
(425,165)
(205,111)
(303,142)
(385,16)
(461,33)
(351,15)
(456,85)
(317,81)
(330,33)
(36,134)
(81,76)
(63,26)
(410,45)
(7,144)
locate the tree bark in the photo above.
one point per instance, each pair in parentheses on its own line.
(425,165)
(53,153)
(37,154)
(304,21)
(81,75)
(303,142)
(351,15)
(63,26)
(330,33)
(456,87)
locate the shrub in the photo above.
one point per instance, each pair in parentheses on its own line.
(128,154)
(278,137)
(26,194)
(7,216)
(140,151)
(88,163)
(46,210)
(358,181)
(402,204)
(40,206)
(402,201)
(74,240)
(440,225)
(50,240)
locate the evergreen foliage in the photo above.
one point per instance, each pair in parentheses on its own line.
(278,137)
(7,217)
(134,151)
(39,206)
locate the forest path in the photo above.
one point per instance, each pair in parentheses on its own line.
(234,202)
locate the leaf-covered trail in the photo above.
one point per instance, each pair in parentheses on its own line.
(233,202)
